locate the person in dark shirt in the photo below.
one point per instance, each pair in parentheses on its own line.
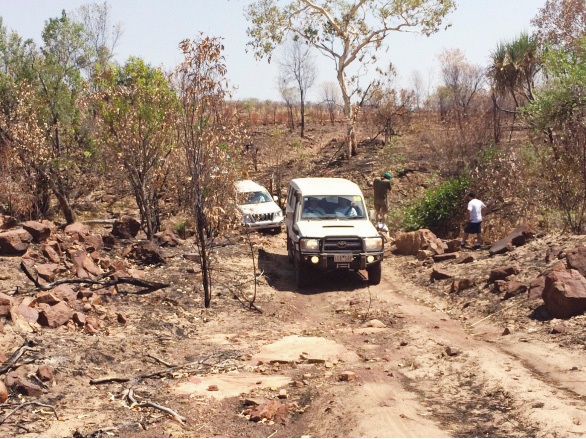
(382,186)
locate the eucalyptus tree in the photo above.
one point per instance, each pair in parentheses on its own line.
(136,109)
(207,137)
(351,33)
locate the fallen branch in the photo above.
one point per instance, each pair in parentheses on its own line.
(29,403)
(11,363)
(129,395)
(148,285)
(497,312)
(164,363)
(109,379)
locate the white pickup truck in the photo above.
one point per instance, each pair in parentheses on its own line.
(328,229)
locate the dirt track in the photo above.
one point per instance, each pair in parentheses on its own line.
(420,371)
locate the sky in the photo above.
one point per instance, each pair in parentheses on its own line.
(152,30)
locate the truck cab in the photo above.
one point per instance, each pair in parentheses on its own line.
(328,229)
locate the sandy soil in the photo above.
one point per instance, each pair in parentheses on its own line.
(400,359)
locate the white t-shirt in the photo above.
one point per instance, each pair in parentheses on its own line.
(475,207)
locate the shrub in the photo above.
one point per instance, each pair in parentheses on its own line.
(438,207)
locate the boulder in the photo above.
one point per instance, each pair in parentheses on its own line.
(460,285)
(14,242)
(55,316)
(445,257)
(516,238)
(439,275)
(38,231)
(22,385)
(146,253)
(7,222)
(47,271)
(77,231)
(409,243)
(126,227)
(502,273)
(52,250)
(167,239)
(514,288)
(564,294)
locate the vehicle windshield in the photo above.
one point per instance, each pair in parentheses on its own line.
(333,206)
(255,197)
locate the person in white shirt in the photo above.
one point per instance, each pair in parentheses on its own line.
(312,208)
(474,226)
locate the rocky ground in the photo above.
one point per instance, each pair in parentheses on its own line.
(446,346)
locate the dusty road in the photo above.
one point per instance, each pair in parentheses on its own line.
(345,359)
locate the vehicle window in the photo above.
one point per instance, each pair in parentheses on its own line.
(256,197)
(328,207)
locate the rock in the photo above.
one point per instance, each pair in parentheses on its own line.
(375,323)
(576,259)
(64,292)
(560,328)
(121,318)
(270,410)
(6,303)
(460,285)
(422,255)
(506,331)
(146,253)
(564,294)
(47,297)
(283,394)
(213,388)
(21,385)
(47,271)
(24,312)
(3,393)
(55,316)
(514,288)
(452,352)
(38,231)
(347,376)
(168,239)
(445,257)
(437,274)
(126,227)
(79,318)
(7,222)
(502,273)
(14,242)
(52,251)
(409,243)
(94,242)
(77,231)
(453,245)
(464,259)
(45,373)
(536,287)
(555,252)
(516,238)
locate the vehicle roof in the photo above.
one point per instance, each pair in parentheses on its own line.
(325,186)
(248,186)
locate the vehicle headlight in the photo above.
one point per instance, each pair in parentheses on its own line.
(247,219)
(309,244)
(278,215)
(372,244)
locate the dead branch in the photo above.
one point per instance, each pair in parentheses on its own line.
(129,395)
(29,403)
(164,363)
(148,285)
(11,363)
(109,379)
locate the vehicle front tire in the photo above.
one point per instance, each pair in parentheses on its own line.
(301,274)
(374,273)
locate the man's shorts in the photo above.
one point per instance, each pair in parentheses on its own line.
(381,207)
(473,228)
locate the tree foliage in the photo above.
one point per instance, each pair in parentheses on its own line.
(207,139)
(136,108)
(559,114)
(350,33)
(561,23)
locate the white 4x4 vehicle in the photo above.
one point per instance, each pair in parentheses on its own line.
(259,210)
(328,229)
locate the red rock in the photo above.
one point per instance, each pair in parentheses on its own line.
(25,312)
(65,292)
(213,388)
(3,393)
(409,243)
(514,288)
(460,285)
(347,376)
(564,294)
(439,275)
(79,318)
(47,297)
(503,273)
(45,373)
(22,385)
(78,229)
(47,271)
(52,251)
(14,242)
(38,231)
(56,315)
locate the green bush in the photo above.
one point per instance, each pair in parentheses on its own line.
(438,208)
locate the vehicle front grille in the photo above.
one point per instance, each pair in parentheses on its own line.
(263,217)
(344,244)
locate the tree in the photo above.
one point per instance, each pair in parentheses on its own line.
(207,139)
(513,71)
(348,32)
(136,108)
(58,157)
(103,36)
(330,95)
(561,23)
(558,114)
(288,95)
(298,65)
(463,80)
